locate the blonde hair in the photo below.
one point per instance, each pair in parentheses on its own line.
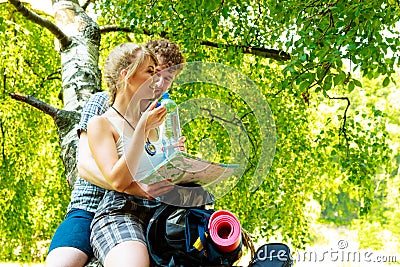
(127,56)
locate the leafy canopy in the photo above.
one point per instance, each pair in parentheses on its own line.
(311,61)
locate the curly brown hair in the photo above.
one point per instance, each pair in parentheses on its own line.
(169,52)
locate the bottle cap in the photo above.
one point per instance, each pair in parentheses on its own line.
(165,95)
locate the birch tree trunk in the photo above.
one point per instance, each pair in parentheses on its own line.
(78,40)
(78,43)
(81,76)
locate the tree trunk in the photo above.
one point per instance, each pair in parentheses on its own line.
(81,76)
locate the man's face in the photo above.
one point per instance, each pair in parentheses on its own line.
(167,76)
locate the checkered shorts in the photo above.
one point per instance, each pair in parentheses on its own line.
(119,218)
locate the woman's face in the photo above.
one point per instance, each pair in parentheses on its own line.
(143,76)
(143,83)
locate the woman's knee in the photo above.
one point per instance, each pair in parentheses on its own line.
(66,257)
(128,253)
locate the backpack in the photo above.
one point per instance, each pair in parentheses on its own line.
(179,236)
(272,255)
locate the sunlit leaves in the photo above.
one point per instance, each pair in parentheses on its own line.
(33,189)
(321,157)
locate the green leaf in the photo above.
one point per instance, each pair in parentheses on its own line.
(351,86)
(357,83)
(386,82)
(304,85)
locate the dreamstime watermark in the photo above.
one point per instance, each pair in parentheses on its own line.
(339,254)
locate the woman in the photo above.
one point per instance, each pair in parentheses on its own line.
(123,144)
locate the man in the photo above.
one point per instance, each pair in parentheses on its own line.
(70,245)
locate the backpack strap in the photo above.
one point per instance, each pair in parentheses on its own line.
(155,226)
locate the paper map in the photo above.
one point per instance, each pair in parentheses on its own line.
(184,168)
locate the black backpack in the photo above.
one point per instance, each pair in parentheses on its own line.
(272,255)
(179,237)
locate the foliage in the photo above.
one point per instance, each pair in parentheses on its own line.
(33,190)
(325,150)
(383,220)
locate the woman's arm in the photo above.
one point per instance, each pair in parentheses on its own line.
(96,105)
(89,170)
(103,148)
(87,167)
(119,172)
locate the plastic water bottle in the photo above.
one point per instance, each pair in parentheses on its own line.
(170,130)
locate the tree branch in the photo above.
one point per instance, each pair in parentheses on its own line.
(32,16)
(3,146)
(343,128)
(34,102)
(53,76)
(257,51)
(4,80)
(151,5)
(278,55)
(65,121)
(86,4)
(115,28)
(237,122)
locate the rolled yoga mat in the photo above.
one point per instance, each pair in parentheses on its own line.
(225,230)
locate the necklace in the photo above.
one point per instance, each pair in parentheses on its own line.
(149,147)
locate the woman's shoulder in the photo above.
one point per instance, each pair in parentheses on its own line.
(106,123)
(99,122)
(97,119)
(100,119)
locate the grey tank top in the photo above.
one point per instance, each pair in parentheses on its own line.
(147,162)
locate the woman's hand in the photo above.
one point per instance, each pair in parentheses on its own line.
(153,117)
(181,144)
(149,191)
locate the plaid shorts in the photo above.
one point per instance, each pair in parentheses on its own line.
(119,218)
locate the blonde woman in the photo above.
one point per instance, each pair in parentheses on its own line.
(120,141)
(70,245)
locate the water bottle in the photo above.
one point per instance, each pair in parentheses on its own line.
(170,130)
